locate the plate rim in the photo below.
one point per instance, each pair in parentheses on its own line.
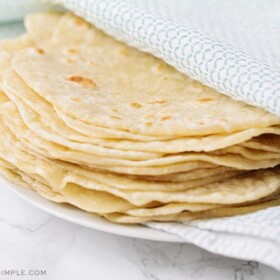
(61,211)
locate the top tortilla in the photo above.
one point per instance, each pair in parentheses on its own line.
(99,81)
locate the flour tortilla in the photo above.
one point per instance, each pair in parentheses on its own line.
(166,213)
(35,36)
(41,188)
(249,153)
(173,145)
(91,201)
(54,172)
(20,178)
(186,176)
(122,125)
(238,190)
(248,187)
(14,85)
(36,124)
(225,192)
(195,144)
(31,121)
(198,209)
(88,200)
(170,209)
(40,26)
(187,216)
(266,142)
(7,48)
(194,174)
(33,104)
(56,151)
(84,90)
(12,176)
(15,44)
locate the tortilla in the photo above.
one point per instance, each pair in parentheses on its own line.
(40,26)
(53,150)
(166,104)
(187,216)
(248,187)
(31,104)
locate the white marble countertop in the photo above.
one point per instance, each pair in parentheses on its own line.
(31,239)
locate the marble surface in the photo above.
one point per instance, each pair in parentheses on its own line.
(31,239)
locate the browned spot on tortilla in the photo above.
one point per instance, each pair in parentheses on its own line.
(72,51)
(149,116)
(136,105)
(80,22)
(201,123)
(165,78)
(40,51)
(115,117)
(165,118)
(149,124)
(205,100)
(76,99)
(86,82)
(161,102)
(115,110)
(125,52)
(161,66)
(69,60)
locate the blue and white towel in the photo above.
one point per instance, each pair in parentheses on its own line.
(232,46)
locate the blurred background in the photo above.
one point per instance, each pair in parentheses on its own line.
(12,13)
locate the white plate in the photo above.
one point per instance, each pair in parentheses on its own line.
(82,218)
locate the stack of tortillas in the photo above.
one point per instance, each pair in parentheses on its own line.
(92,122)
